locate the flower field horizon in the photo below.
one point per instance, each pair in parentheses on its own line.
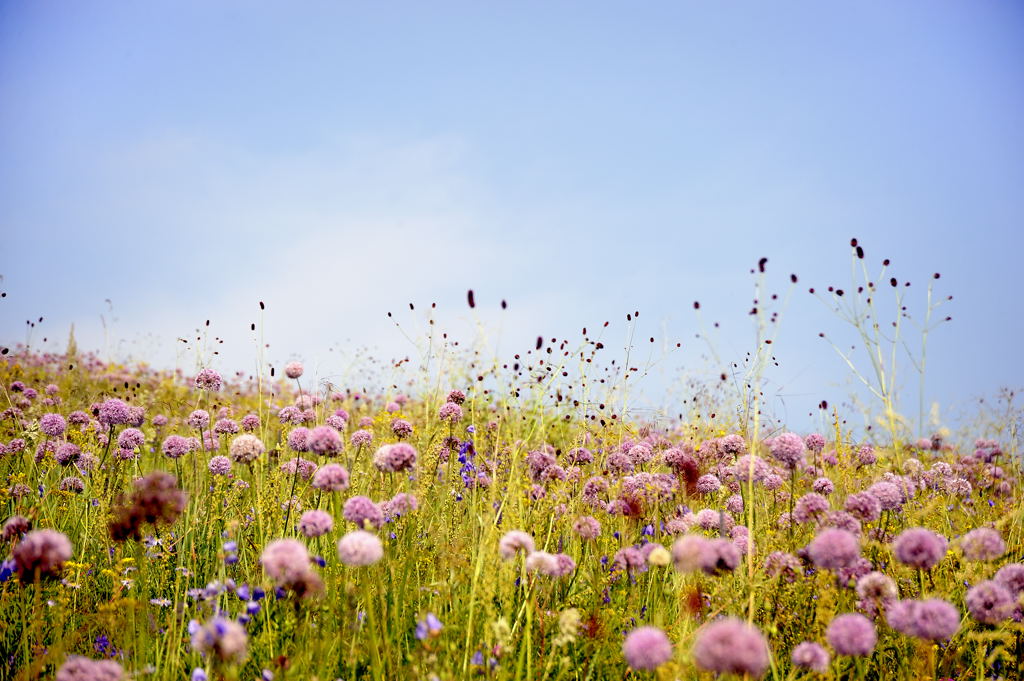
(493,521)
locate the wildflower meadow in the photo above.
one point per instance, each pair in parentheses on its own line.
(507,517)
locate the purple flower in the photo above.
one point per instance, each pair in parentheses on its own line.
(361,437)
(852,634)
(246,448)
(198,419)
(78,668)
(220,465)
(731,646)
(864,506)
(41,553)
(587,527)
(888,494)
(67,454)
(920,548)
(450,412)
(401,428)
(324,441)
(815,442)
(513,542)
(176,446)
(808,655)
(331,477)
(984,543)
(646,648)
(990,602)
(788,449)
(293,370)
(833,549)
(395,457)
(52,424)
(209,380)
(430,626)
(1011,576)
(361,510)
(360,548)
(113,412)
(315,523)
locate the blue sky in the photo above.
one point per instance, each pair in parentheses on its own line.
(338,160)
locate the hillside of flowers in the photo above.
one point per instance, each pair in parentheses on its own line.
(189,525)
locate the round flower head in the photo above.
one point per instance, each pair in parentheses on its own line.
(876,586)
(450,412)
(42,553)
(399,505)
(331,477)
(852,634)
(78,668)
(130,438)
(220,465)
(315,523)
(14,527)
(361,438)
(293,370)
(542,562)
(360,548)
(784,565)
(394,458)
(587,527)
(731,646)
(72,484)
(113,412)
(250,422)
(810,506)
(983,543)
(298,439)
(864,506)
(646,648)
(1011,576)
(691,552)
(888,494)
(990,602)
(286,561)
(223,638)
(361,510)
(176,446)
(53,425)
(815,442)
(788,449)
(67,454)
(401,428)
(934,620)
(325,441)
(209,380)
(199,419)
(823,486)
(515,541)
(708,484)
(246,448)
(833,549)
(920,548)
(812,656)
(304,468)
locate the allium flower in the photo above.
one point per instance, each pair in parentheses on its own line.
(14,527)
(79,418)
(810,506)
(983,543)
(223,638)
(293,370)
(731,646)
(888,495)
(42,553)
(808,655)
(303,467)
(450,412)
(708,484)
(933,619)
(360,548)
(324,441)
(864,506)
(395,457)
(250,422)
(815,442)
(199,419)
(286,561)
(689,553)
(52,424)
(176,446)
(579,456)
(784,565)
(209,380)
(361,438)
(920,548)
(67,454)
(130,438)
(246,448)
(646,648)
(156,500)
(331,477)
(160,420)
(113,412)
(990,602)
(72,484)
(823,486)
(220,465)
(587,527)
(852,634)
(298,439)
(399,505)
(543,562)
(833,549)
(361,510)
(225,426)
(78,668)
(515,541)
(401,428)
(1011,576)
(788,449)
(876,586)
(866,455)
